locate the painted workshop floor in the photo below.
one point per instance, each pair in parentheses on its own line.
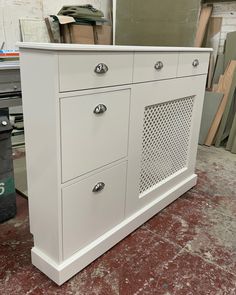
(187,249)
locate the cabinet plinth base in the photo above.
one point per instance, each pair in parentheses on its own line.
(60,273)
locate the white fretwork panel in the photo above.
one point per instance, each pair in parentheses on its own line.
(166,133)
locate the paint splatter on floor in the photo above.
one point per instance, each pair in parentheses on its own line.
(188,248)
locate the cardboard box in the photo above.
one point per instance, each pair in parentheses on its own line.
(103,35)
(83,33)
(79,34)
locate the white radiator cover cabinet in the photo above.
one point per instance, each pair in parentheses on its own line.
(105,151)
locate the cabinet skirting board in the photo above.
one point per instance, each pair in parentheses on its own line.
(60,273)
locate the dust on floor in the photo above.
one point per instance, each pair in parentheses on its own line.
(187,249)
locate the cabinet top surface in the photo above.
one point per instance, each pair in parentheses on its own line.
(112,48)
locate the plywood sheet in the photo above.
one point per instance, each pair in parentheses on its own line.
(163,23)
(229,108)
(34,30)
(219,68)
(213,41)
(202,24)
(224,86)
(231,144)
(211,104)
(230,48)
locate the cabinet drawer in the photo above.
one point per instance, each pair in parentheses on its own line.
(154,66)
(92,206)
(192,64)
(90,140)
(78,70)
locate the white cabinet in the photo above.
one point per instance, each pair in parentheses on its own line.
(94,131)
(164,122)
(111,139)
(92,206)
(78,70)
(155,66)
(192,64)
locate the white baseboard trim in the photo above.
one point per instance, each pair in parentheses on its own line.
(60,273)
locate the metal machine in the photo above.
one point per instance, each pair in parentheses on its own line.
(10,96)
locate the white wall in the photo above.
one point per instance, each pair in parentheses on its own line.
(12,10)
(227,11)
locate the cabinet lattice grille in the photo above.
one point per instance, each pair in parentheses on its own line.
(165,142)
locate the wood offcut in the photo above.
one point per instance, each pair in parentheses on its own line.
(224,87)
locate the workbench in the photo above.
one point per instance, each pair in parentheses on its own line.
(10,87)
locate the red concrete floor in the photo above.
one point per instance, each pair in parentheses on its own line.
(188,248)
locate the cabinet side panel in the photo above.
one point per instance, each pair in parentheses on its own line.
(39,75)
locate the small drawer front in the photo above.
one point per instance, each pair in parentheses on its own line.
(94,131)
(193,64)
(154,66)
(92,206)
(92,70)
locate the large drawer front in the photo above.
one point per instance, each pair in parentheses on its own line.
(154,66)
(90,140)
(192,63)
(91,70)
(92,206)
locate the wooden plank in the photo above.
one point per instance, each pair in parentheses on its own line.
(210,71)
(219,87)
(219,68)
(211,104)
(231,144)
(224,87)
(213,41)
(214,87)
(227,112)
(233,150)
(230,48)
(48,25)
(202,24)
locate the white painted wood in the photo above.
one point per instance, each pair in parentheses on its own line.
(42,136)
(77,70)
(60,273)
(86,214)
(100,48)
(144,66)
(88,140)
(186,67)
(75,230)
(149,94)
